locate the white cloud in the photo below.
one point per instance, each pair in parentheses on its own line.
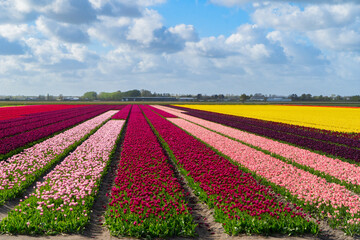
(143,28)
(186,32)
(343,39)
(16,11)
(146,32)
(249,42)
(328,27)
(313,17)
(297,51)
(147,3)
(14,32)
(110,30)
(68,11)
(62,31)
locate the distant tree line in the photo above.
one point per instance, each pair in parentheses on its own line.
(321,98)
(119,95)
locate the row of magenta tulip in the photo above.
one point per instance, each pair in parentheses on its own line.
(346,173)
(147,200)
(124,113)
(16,113)
(274,131)
(62,203)
(21,140)
(21,170)
(27,124)
(331,200)
(240,202)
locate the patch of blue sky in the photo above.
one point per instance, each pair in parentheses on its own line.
(208,19)
(99,47)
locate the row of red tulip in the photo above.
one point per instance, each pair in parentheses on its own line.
(147,200)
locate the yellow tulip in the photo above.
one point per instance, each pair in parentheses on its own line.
(340,119)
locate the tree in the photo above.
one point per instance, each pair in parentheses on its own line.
(117,96)
(132,93)
(90,96)
(104,96)
(243,97)
(294,97)
(146,93)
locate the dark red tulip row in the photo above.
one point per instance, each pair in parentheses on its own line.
(241,203)
(124,113)
(41,120)
(11,143)
(147,200)
(287,133)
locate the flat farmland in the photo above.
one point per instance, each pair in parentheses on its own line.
(147,171)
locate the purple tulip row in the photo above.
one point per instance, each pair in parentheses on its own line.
(320,134)
(20,140)
(124,113)
(277,132)
(29,118)
(42,121)
(147,200)
(62,202)
(241,203)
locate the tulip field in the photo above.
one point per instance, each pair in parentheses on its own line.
(259,170)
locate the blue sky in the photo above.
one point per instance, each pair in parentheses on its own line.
(208,19)
(180,46)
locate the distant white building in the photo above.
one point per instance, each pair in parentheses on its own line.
(186,99)
(279,99)
(257,98)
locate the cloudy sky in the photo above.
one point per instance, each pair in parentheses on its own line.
(180,46)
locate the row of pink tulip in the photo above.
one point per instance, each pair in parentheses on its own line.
(62,202)
(341,170)
(334,200)
(21,170)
